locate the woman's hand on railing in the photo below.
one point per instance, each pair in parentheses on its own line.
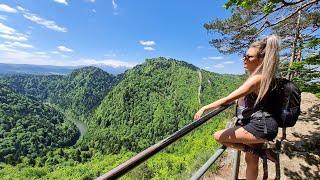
(198,114)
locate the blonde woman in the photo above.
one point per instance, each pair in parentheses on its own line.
(257,124)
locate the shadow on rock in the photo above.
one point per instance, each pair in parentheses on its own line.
(306,148)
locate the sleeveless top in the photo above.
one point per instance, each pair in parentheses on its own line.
(246,104)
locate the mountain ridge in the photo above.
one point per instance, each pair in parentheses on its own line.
(53,70)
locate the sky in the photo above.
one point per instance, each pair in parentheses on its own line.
(112,32)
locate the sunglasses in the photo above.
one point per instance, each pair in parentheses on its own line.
(247,57)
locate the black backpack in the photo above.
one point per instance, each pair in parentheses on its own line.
(288,100)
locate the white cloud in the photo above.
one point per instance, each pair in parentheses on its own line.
(39,20)
(64,49)
(55,52)
(6,29)
(207,67)
(115,7)
(200,47)
(8,9)
(219,66)
(4,48)
(16,37)
(29,32)
(215,57)
(46,23)
(92,1)
(19,56)
(11,34)
(64,56)
(228,62)
(42,58)
(110,55)
(147,43)
(148,48)
(109,62)
(17,45)
(23,57)
(21,8)
(61,2)
(114,4)
(41,53)
(2,17)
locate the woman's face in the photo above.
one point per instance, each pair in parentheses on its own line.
(251,60)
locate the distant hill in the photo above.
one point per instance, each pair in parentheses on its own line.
(34,69)
(79,92)
(29,129)
(51,70)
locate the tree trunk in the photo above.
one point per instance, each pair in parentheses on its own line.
(294,46)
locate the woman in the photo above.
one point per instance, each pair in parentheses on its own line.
(258,124)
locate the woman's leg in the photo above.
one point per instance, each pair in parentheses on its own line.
(238,146)
(237,135)
(238,138)
(252,161)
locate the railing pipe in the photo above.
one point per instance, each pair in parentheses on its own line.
(207,165)
(236,165)
(147,153)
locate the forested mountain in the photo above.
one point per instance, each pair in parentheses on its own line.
(125,114)
(29,129)
(78,92)
(152,101)
(83,89)
(38,87)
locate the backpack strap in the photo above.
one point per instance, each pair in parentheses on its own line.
(261,113)
(265,123)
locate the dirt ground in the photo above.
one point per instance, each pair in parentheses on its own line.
(300,152)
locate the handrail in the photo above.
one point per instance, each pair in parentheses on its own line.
(207,165)
(147,153)
(212,159)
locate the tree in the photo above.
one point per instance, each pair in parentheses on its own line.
(294,21)
(307,71)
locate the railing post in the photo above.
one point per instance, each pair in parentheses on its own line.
(277,164)
(236,165)
(265,168)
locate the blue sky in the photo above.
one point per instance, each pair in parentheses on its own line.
(112,32)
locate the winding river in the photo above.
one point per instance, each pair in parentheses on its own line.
(82,127)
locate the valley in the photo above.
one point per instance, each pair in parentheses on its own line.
(116,117)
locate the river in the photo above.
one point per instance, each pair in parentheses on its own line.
(82,127)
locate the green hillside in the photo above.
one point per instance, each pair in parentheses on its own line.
(79,92)
(152,101)
(126,114)
(29,129)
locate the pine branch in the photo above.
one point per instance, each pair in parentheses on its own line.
(267,24)
(300,8)
(291,3)
(284,4)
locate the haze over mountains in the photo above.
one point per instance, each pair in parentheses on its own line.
(51,70)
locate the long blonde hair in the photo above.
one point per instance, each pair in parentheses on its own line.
(268,50)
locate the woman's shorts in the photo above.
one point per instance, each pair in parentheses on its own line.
(257,126)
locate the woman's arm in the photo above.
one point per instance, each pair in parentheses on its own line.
(247,87)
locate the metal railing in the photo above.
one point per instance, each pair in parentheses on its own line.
(207,165)
(152,150)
